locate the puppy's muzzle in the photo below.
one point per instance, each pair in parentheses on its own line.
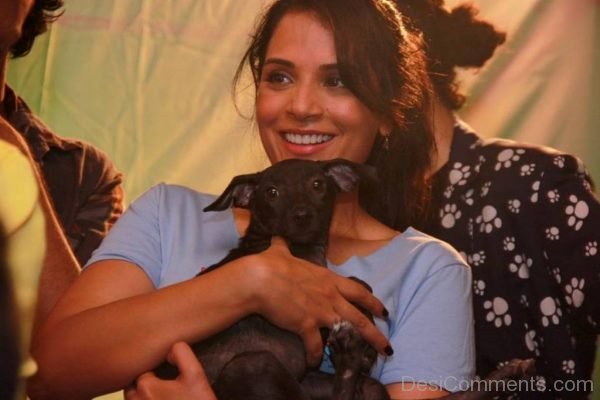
(302,216)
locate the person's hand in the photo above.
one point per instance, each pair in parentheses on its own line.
(301,297)
(190,384)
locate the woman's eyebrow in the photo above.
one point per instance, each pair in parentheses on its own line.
(279,61)
(287,63)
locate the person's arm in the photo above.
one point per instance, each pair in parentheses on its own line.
(112,325)
(60,267)
(101,195)
(567,221)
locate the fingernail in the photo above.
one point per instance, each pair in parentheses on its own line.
(385,312)
(388,350)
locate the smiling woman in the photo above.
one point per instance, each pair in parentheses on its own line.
(323,90)
(319,92)
(303,108)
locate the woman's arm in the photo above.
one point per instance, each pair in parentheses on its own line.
(112,325)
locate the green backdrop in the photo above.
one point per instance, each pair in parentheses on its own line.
(149,82)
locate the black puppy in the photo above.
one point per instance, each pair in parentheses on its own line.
(254,359)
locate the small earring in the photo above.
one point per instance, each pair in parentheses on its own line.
(386,141)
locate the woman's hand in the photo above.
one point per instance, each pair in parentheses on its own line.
(301,297)
(190,384)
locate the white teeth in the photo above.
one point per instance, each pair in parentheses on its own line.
(307,139)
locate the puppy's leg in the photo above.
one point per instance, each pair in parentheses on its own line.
(257,375)
(493,384)
(353,359)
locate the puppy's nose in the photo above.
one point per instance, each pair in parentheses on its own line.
(302,216)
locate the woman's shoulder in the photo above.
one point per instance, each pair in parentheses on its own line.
(504,153)
(165,194)
(419,255)
(438,251)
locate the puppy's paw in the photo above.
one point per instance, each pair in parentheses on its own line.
(515,369)
(350,353)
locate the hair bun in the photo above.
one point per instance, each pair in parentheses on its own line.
(473,39)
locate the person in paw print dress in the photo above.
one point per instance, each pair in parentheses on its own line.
(524,217)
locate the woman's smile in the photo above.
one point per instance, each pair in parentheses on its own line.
(304,109)
(304,143)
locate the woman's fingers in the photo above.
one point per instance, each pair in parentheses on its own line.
(191,383)
(358,293)
(190,369)
(302,297)
(364,326)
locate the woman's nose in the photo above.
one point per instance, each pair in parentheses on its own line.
(305,103)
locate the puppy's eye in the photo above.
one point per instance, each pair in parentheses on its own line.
(318,185)
(272,193)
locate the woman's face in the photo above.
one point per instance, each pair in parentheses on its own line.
(13,14)
(303,109)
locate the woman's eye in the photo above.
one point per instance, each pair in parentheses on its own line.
(272,193)
(334,81)
(278,78)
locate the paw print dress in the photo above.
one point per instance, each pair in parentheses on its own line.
(526,220)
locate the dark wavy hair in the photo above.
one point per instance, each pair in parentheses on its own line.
(384,66)
(454,38)
(42,14)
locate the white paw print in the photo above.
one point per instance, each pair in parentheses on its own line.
(551,311)
(476,259)
(591,249)
(574,291)
(514,206)
(449,215)
(577,212)
(527,169)
(459,174)
(521,265)
(448,192)
(568,366)
(468,197)
(479,287)
(556,273)
(552,233)
(536,187)
(488,219)
(559,161)
(498,312)
(507,157)
(485,189)
(509,243)
(553,196)
(523,300)
(531,342)
(470,227)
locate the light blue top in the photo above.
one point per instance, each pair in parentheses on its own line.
(422,281)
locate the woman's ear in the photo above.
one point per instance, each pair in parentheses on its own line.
(385,127)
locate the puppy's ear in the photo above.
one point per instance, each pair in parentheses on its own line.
(347,174)
(238,192)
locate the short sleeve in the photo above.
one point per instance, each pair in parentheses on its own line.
(433,338)
(136,237)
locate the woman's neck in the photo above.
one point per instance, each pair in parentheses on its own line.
(443,129)
(351,221)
